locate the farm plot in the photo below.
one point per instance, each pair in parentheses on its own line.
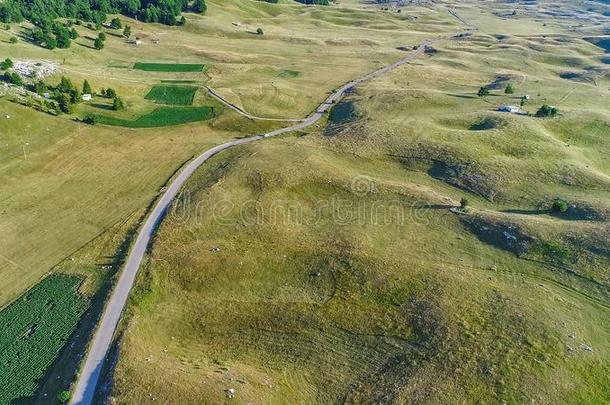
(33,330)
(163,117)
(172,94)
(169,67)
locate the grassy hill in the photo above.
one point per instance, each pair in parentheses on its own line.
(334,267)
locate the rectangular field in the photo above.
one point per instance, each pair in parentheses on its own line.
(169,67)
(163,117)
(172,94)
(33,330)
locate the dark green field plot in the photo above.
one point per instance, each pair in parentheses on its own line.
(172,94)
(163,117)
(33,331)
(287,74)
(169,67)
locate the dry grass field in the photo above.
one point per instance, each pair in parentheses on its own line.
(331,265)
(329,268)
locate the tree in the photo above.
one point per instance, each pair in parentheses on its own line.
(117,104)
(116,23)
(13,78)
(90,119)
(87,88)
(65,85)
(127,31)
(13,40)
(51,43)
(547,111)
(464,204)
(63,396)
(110,93)
(483,91)
(560,205)
(509,89)
(6,64)
(199,6)
(182,20)
(102,36)
(259,31)
(64,103)
(98,43)
(40,87)
(73,34)
(74,96)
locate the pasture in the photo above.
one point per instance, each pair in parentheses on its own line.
(342,275)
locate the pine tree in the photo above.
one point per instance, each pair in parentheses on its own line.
(87,88)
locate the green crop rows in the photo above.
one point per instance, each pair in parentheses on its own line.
(172,94)
(163,117)
(169,67)
(33,330)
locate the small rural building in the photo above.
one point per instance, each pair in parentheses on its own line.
(86,97)
(509,108)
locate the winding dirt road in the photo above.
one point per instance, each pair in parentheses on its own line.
(102,340)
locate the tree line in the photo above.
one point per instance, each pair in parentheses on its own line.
(42,13)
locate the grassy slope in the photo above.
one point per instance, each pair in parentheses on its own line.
(314,299)
(80,180)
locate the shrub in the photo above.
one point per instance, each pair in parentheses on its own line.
(90,119)
(560,205)
(13,40)
(117,104)
(63,396)
(6,64)
(483,91)
(102,36)
(259,31)
(127,31)
(547,111)
(98,43)
(116,23)
(509,89)
(464,203)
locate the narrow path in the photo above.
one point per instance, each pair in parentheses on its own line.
(102,340)
(243,112)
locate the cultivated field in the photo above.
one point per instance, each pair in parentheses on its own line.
(175,95)
(33,330)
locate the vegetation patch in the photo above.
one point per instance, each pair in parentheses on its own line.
(289,74)
(171,94)
(169,67)
(33,329)
(162,117)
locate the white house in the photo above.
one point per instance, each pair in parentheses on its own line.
(86,97)
(509,108)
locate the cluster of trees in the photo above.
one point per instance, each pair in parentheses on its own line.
(60,98)
(41,13)
(53,35)
(318,2)
(10,77)
(484,91)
